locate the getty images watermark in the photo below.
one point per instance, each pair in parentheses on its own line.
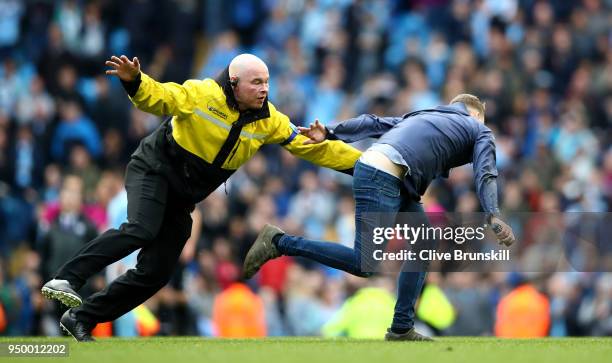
(545,242)
(412,235)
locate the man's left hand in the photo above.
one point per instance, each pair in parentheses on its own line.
(316,133)
(503,232)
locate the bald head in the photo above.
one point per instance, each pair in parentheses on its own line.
(249,76)
(245,63)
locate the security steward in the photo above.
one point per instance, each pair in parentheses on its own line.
(217,126)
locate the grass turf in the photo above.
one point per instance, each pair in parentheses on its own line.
(287,350)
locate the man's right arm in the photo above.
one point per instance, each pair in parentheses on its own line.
(152,96)
(361,127)
(160,99)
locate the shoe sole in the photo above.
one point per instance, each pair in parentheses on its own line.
(70,300)
(387,339)
(250,254)
(68,332)
(409,340)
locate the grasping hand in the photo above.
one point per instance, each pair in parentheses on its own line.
(316,133)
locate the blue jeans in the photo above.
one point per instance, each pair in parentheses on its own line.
(374,191)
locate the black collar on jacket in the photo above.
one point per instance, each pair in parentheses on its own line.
(248,116)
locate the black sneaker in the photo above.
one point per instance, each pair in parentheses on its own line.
(62,291)
(410,335)
(261,251)
(77,329)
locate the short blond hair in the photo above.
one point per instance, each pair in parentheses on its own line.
(470,101)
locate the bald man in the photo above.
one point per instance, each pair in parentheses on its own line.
(216,126)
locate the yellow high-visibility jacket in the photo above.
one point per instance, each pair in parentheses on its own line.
(207,138)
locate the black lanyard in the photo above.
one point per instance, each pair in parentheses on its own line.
(230,142)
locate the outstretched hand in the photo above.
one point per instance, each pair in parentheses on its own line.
(316,133)
(123,68)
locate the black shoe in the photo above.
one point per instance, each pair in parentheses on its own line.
(261,251)
(62,291)
(77,329)
(410,335)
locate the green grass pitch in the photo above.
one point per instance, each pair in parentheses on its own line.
(288,350)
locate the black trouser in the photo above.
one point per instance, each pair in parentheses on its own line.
(158,222)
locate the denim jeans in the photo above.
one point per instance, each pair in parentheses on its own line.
(374,191)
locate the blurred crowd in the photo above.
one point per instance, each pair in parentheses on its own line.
(543,67)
